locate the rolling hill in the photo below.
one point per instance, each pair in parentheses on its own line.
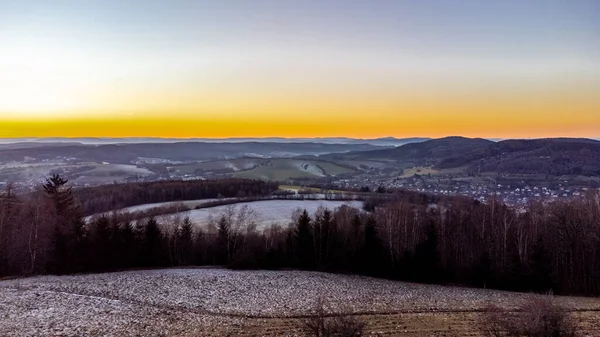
(428,153)
(184,151)
(554,156)
(551,156)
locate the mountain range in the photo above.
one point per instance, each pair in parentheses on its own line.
(386,141)
(550,156)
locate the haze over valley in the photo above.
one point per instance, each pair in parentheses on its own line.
(517,171)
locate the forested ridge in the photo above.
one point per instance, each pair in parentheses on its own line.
(106,198)
(553,246)
(551,156)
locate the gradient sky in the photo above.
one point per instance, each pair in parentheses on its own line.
(237,68)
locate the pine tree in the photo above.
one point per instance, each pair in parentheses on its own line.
(101,242)
(184,243)
(66,222)
(304,241)
(153,249)
(223,241)
(61,196)
(355,242)
(128,245)
(8,210)
(321,238)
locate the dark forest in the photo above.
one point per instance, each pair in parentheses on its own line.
(544,247)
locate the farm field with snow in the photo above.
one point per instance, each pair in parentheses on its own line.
(189,204)
(213,302)
(284,169)
(267,211)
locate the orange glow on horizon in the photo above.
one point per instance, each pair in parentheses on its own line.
(550,113)
(184,69)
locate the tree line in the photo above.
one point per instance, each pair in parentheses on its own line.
(106,198)
(553,246)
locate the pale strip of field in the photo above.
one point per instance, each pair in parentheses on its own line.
(267,211)
(194,302)
(185,203)
(113,168)
(285,169)
(319,191)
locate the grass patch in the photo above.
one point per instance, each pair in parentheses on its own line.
(286,169)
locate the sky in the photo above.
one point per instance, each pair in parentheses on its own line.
(262,68)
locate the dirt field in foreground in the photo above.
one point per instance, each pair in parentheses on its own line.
(448,324)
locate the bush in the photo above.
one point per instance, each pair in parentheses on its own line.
(539,317)
(325,323)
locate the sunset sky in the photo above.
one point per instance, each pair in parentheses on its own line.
(252,68)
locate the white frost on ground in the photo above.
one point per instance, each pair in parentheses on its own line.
(185,203)
(309,168)
(267,211)
(170,301)
(191,204)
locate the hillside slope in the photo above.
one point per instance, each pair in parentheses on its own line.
(185,151)
(432,152)
(214,302)
(551,156)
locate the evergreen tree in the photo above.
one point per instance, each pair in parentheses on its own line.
(61,196)
(101,244)
(128,245)
(201,250)
(321,238)
(223,241)
(153,249)
(8,210)
(304,241)
(66,222)
(356,241)
(184,243)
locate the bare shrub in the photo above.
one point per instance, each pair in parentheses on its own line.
(539,317)
(324,322)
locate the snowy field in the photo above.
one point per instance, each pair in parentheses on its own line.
(186,203)
(199,301)
(267,211)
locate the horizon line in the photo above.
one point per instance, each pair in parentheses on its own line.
(287,138)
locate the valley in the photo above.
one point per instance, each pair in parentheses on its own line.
(262,213)
(333,168)
(516,171)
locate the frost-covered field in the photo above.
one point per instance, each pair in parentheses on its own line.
(197,301)
(267,211)
(185,203)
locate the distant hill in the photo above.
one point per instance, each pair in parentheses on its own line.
(185,151)
(431,153)
(387,141)
(552,156)
(29,144)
